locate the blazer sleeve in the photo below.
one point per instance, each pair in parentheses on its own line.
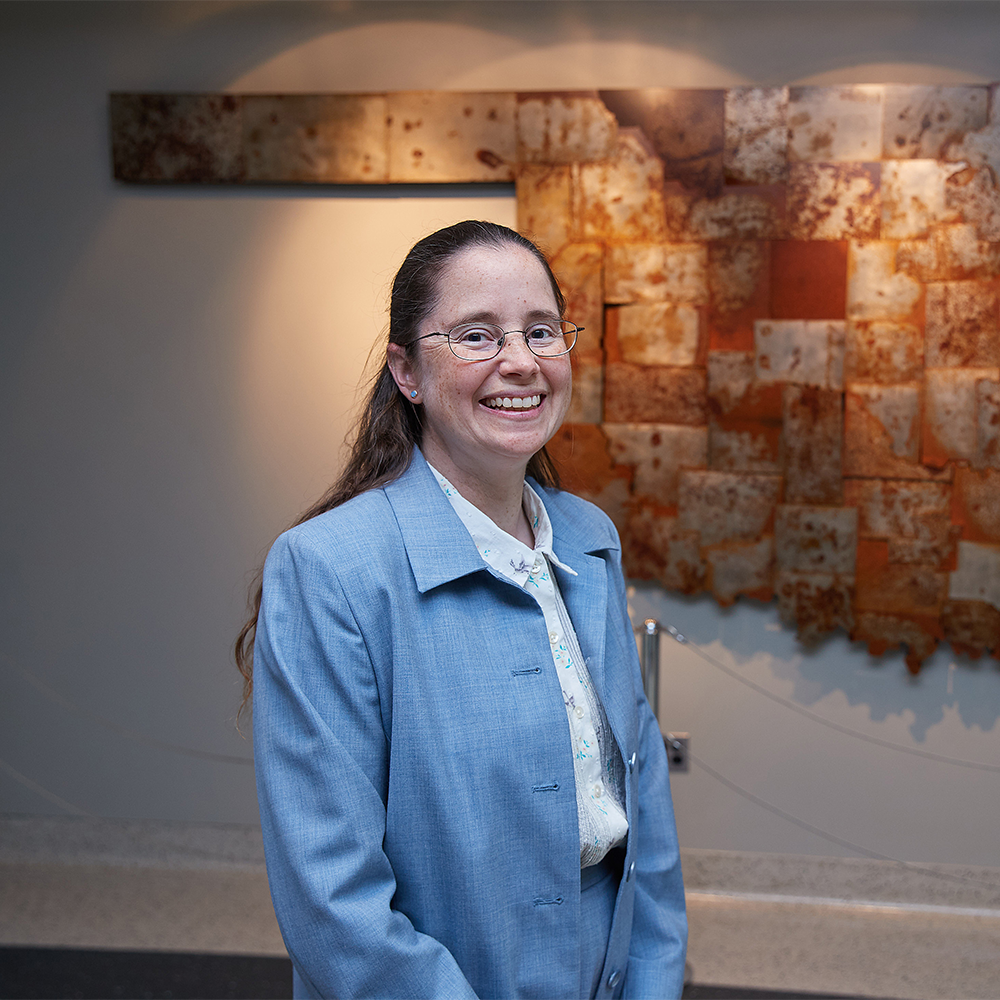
(321,754)
(659,925)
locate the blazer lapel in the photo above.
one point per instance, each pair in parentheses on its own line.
(438,545)
(586,598)
(601,637)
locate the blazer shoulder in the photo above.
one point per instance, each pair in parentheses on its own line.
(573,515)
(360,532)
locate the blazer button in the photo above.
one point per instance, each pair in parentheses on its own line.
(631,762)
(628,874)
(614,979)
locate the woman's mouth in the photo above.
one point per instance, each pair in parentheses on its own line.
(512,402)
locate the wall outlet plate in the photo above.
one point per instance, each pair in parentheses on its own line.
(677,751)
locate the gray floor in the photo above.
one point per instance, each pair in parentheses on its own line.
(767,922)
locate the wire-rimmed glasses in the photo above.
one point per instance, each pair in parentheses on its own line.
(484,341)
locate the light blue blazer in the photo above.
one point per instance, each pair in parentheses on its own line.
(414,768)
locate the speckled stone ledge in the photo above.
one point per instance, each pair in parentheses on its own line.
(57,840)
(856,879)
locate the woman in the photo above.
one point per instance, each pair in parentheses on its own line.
(462,787)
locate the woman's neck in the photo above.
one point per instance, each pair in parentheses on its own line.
(500,497)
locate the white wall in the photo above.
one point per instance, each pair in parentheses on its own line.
(177,376)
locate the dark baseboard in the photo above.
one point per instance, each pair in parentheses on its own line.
(91,974)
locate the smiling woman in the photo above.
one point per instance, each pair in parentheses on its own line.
(463,790)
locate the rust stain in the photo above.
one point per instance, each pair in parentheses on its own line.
(488,157)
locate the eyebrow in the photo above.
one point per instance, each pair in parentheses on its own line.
(488,316)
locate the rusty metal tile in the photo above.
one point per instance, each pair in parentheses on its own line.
(977,576)
(975,190)
(808,279)
(653,549)
(739,445)
(587,403)
(316,138)
(184,138)
(961,327)
(833,201)
(976,504)
(580,453)
(564,128)
(645,395)
(756,135)
(816,603)
(730,375)
(883,632)
(738,276)
(813,432)
(880,351)
(736,568)
(684,127)
(902,588)
(452,137)
(622,198)
(972,627)
(979,147)
(911,518)
(578,268)
(935,547)
(951,413)
(727,506)
(950,253)
(658,333)
(651,272)
(657,452)
(975,196)
(922,121)
(815,539)
(804,352)
(875,288)
(751,213)
(882,431)
(545,206)
(835,124)
(987,424)
(913,198)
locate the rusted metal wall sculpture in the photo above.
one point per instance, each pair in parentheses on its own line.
(789,383)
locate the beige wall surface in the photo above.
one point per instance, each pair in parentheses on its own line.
(178,370)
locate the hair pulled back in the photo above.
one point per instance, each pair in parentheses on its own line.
(390,424)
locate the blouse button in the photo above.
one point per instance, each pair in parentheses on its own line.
(553,637)
(598,791)
(537,568)
(578,711)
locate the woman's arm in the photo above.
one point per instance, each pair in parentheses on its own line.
(659,923)
(321,755)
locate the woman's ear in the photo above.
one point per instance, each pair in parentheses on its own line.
(403,372)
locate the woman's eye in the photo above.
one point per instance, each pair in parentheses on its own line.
(475,335)
(541,332)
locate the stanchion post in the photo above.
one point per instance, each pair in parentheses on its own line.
(650,659)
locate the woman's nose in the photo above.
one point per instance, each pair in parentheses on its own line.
(515,355)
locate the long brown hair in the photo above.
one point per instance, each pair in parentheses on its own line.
(390,425)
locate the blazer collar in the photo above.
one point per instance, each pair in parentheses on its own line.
(438,545)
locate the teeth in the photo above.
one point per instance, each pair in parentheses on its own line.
(513,402)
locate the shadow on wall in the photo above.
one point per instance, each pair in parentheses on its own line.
(749,630)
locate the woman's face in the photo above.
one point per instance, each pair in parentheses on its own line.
(464,433)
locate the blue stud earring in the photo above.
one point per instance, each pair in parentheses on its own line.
(413,394)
